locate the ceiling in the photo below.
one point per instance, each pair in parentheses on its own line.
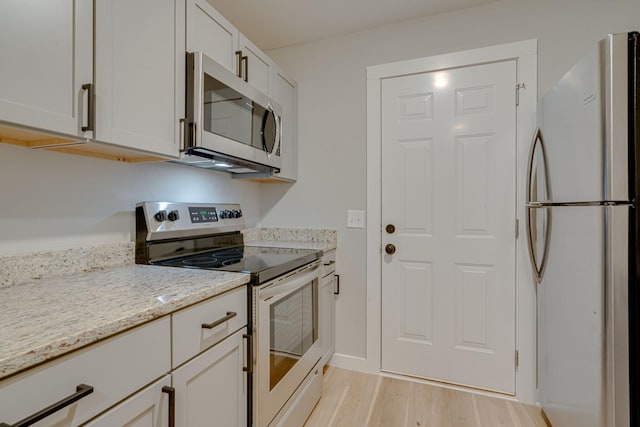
(272,24)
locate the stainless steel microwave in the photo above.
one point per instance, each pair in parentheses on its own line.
(230,125)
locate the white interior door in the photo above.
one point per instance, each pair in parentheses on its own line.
(449,189)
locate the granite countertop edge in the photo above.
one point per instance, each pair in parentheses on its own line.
(34,351)
(324,247)
(23,359)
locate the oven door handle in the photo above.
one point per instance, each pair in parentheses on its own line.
(285,287)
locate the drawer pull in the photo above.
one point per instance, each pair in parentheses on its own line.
(230,315)
(333,261)
(82,390)
(172,404)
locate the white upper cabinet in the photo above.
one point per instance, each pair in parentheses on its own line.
(256,66)
(210,33)
(46,57)
(285,92)
(106,78)
(140,73)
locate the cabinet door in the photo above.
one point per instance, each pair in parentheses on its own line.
(328,315)
(115,368)
(140,73)
(285,92)
(147,408)
(213,386)
(258,68)
(210,33)
(47,55)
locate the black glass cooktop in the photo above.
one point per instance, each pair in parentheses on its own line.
(263,263)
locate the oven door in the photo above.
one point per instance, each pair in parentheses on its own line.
(227,115)
(287,344)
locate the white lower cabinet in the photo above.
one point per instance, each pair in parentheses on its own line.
(147,408)
(115,368)
(327,302)
(328,292)
(212,388)
(127,380)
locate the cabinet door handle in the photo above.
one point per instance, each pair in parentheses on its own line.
(82,390)
(337,290)
(230,315)
(239,63)
(91,108)
(249,368)
(172,404)
(245,61)
(181,133)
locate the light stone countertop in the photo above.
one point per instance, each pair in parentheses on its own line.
(319,239)
(43,319)
(318,246)
(57,301)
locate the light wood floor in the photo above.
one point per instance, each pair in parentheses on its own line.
(354,399)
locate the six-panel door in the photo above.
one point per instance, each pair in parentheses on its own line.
(449,190)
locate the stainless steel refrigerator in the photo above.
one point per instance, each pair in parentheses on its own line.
(583,228)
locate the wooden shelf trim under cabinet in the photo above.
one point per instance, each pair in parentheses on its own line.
(42,141)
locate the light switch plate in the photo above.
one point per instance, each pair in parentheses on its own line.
(355,219)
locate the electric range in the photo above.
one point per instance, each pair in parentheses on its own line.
(284,379)
(207,236)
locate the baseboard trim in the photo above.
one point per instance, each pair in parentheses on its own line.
(352,363)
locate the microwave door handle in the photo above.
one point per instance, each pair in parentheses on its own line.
(278,140)
(269,110)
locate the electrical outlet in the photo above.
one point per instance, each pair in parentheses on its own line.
(355,219)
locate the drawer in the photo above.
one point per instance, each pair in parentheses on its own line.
(189,335)
(115,368)
(149,406)
(329,263)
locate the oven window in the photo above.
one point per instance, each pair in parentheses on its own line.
(294,329)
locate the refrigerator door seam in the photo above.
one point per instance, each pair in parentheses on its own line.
(603,203)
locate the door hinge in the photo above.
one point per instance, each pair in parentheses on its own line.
(518,87)
(517,358)
(517,228)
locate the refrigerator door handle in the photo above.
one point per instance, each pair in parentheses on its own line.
(536,167)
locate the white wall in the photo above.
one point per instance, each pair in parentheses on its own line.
(332,108)
(52,200)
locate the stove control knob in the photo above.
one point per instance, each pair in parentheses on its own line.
(239,213)
(234,214)
(223,213)
(174,215)
(161,216)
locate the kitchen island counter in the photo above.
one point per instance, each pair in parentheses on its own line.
(46,318)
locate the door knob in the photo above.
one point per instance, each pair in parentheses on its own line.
(390,228)
(390,249)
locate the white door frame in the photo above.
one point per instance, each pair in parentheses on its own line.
(525,53)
